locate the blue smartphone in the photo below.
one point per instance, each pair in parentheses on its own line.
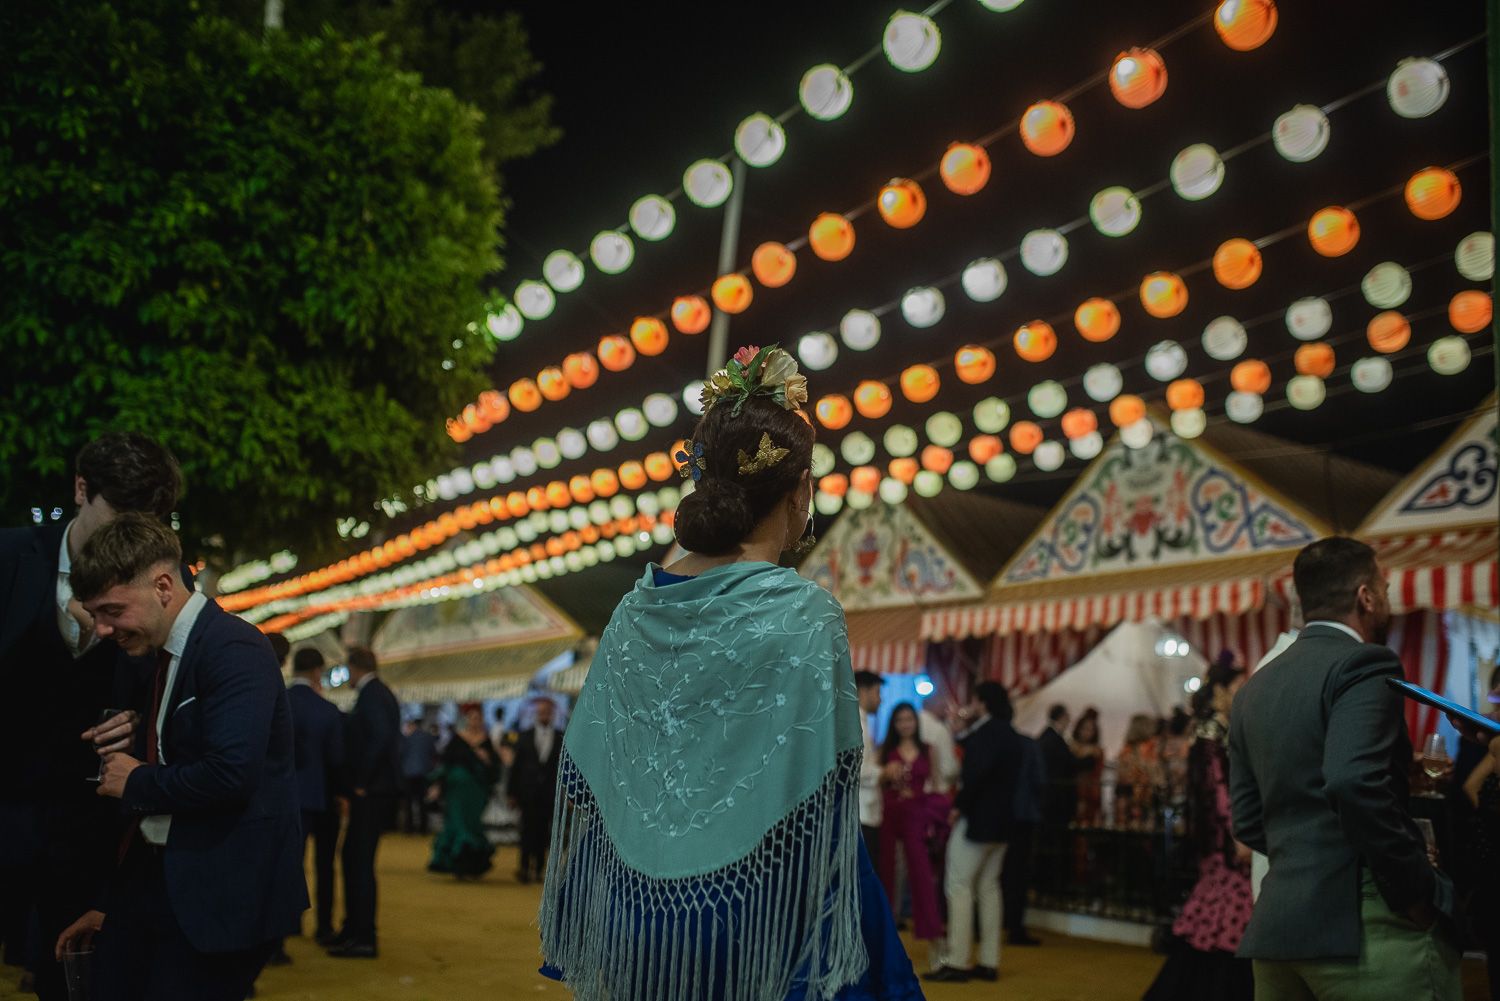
(1435,700)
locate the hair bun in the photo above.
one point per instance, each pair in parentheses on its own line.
(714,517)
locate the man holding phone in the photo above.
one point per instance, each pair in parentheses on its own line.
(1352,907)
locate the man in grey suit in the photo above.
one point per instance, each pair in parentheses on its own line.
(1352,907)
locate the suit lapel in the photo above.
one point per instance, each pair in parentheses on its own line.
(185,679)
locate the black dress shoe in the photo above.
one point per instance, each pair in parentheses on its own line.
(354,950)
(947,975)
(326,938)
(986,973)
(1021,939)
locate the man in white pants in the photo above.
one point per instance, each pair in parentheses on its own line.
(994,755)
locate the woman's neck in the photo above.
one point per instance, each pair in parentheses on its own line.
(762,545)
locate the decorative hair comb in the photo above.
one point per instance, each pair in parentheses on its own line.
(766,456)
(691,462)
(757,371)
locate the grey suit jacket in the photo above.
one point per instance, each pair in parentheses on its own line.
(1318,759)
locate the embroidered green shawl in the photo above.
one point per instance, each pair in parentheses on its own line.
(707,822)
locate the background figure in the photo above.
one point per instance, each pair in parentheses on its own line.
(939,740)
(1137,774)
(318,731)
(1088,769)
(1026,816)
(533,789)
(1480,788)
(1059,803)
(867,684)
(418,759)
(466,774)
(1175,748)
(914,819)
(373,741)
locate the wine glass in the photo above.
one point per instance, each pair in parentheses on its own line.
(1435,761)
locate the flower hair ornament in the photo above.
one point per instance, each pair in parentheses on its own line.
(754,371)
(690,460)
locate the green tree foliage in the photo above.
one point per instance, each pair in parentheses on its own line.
(267,253)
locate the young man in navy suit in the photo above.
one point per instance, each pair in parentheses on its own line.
(318,737)
(211,869)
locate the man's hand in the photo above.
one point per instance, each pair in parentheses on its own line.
(79,935)
(117,768)
(1472,732)
(114,734)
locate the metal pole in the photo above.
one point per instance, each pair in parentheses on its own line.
(718,334)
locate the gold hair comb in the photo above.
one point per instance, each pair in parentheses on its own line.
(766,456)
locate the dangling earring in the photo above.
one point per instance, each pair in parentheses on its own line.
(809,539)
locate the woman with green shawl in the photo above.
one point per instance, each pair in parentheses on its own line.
(707,843)
(466,773)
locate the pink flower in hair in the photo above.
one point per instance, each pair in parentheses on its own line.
(746,354)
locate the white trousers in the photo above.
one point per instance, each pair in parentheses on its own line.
(973,876)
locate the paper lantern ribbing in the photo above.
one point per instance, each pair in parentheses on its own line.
(860,329)
(652,217)
(1097,320)
(1044,252)
(1315,359)
(1126,409)
(984,447)
(1386,285)
(615,353)
(1115,211)
(1333,231)
(773,264)
(1047,128)
(563,270)
(690,314)
(611,251)
(1165,361)
(1237,263)
(901,203)
(1310,318)
(1470,311)
(974,364)
(920,383)
(1025,436)
(1388,332)
(1301,134)
(1036,341)
(1433,193)
(1078,422)
(535,300)
(991,415)
(1196,172)
(984,279)
(732,293)
(1244,408)
(1251,376)
(1103,382)
(707,183)
(760,140)
(923,307)
(834,411)
(1245,24)
(649,335)
(817,350)
(1164,294)
(872,399)
(911,41)
(825,92)
(1371,375)
(1138,77)
(1224,339)
(965,168)
(525,396)
(1417,87)
(1185,394)
(1475,256)
(1449,355)
(552,384)
(1306,392)
(831,236)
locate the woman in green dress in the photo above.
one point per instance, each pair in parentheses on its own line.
(466,774)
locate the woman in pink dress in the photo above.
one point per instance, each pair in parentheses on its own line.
(915,818)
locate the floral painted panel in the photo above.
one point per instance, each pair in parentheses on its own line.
(1459,486)
(495,618)
(883,557)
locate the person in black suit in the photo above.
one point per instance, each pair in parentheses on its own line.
(1351,906)
(533,789)
(372,735)
(1059,802)
(983,820)
(57,839)
(318,739)
(211,875)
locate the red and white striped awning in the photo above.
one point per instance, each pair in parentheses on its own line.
(904,657)
(1446,571)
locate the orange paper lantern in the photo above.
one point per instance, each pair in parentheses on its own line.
(1047,128)
(1097,320)
(904,469)
(974,364)
(458,431)
(1251,376)
(558,494)
(1126,409)
(1025,436)
(1185,394)
(632,475)
(1138,77)
(865,479)
(1245,24)
(553,385)
(493,407)
(984,447)
(524,395)
(937,459)
(581,490)
(1078,422)
(965,168)
(1470,311)
(872,399)
(581,370)
(1433,193)
(773,264)
(615,353)
(1314,359)
(1036,341)
(1164,294)
(474,420)
(1333,231)
(536,499)
(919,383)
(659,467)
(1388,332)
(901,203)
(649,335)
(605,483)
(732,293)
(690,314)
(1237,263)
(831,237)
(834,411)
(836,484)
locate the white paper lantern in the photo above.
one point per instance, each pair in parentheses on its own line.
(1301,134)
(535,300)
(984,279)
(660,409)
(760,140)
(1244,408)
(927,483)
(991,415)
(578,517)
(670,497)
(1001,468)
(944,429)
(1047,399)
(1000,6)
(825,92)
(1166,360)
(483,476)
(963,475)
(860,329)
(1371,375)
(572,443)
(1224,339)
(621,506)
(1138,434)
(1306,392)
(599,512)
(923,306)
(574,560)
(858,500)
(631,424)
(1115,211)
(707,183)
(1197,172)
(606,550)
(506,324)
(524,461)
(652,217)
(1086,446)
(1449,355)
(1386,285)
(817,350)
(1310,318)
(827,504)
(590,556)
(900,441)
(463,480)
(563,270)
(692,397)
(624,547)
(892,491)
(1475,256)
(602,435)
(503,468)
(857,448)
(823,460)
(1189,423)
(648,505)
(548,455)
(1417,88)
(911,41)
(1103,382)
(1044,252)
(611,251)
(1049,455)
